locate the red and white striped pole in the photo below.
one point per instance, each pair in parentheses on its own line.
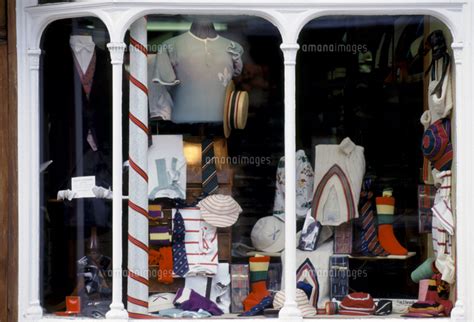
(137,289)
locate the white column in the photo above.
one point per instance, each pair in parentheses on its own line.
(290,310)
(117,310)
(463,176)
(137,290)
(34,310)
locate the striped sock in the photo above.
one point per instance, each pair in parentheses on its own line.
(258,267)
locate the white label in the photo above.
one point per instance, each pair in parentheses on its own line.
(82,186)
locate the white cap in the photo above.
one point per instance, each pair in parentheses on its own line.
(268,234)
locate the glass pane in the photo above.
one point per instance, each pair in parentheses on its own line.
(76,154)
(192,63)
(363,85)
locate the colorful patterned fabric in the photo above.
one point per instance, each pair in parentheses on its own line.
(343,238)
(425,309)
(339,276)
(239,274)
(159,236)
(357,304)
(209,174)
(307,273)
(436,144)
(155,212)
(180,260)
(370,245)
(304,186)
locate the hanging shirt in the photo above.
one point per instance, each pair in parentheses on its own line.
(196,71)
(339,171)
(166,167)
(443,228)
(200,242)
(304,186)
(438,106)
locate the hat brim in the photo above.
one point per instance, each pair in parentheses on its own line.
(228,91)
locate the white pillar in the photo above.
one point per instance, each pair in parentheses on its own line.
(34,310)
(463,193)
(137,291)
(117,310)
(290,310)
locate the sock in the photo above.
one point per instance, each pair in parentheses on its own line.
(258,267)
(385,212)
(165,263)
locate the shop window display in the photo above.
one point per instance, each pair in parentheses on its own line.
(374,94)
(203,223)
(76,171)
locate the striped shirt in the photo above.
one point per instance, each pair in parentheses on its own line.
(200,242)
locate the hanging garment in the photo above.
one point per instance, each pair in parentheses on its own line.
(77,101)
(443,229)
(304,186)
(200,243)
(196,72)
(438,106)
(339,171)
(166,167)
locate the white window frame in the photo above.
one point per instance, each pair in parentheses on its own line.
(289,17)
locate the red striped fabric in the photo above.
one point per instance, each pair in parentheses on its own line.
(137,169)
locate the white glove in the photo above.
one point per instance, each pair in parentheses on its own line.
(66,194)
(102,193)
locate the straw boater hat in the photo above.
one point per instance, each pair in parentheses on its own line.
(236,107)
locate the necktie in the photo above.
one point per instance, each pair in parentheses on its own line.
(209,175)
(370,243)
(180,260)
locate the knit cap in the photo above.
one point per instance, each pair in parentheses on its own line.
(357,304)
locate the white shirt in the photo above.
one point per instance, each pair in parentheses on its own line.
(83,49)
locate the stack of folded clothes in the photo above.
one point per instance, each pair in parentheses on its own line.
(425,309)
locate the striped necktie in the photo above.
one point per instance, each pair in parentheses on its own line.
(370,245)
(209,174)
(180,260)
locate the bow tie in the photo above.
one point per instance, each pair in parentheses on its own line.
(83,47)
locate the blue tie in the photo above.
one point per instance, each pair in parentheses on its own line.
(180,260)
(209,174)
